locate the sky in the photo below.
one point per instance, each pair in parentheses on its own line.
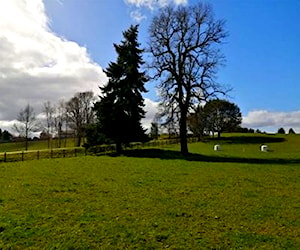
(51,49)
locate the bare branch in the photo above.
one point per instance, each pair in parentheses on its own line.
(185,57)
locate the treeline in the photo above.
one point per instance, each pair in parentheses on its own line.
(183,57)
(5,136)
(216,116)
(61,121)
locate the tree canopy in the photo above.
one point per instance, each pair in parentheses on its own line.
(185,57)
(215,116)
(222,116)
(120,108)
(27,123)
(291,131)
(80,113)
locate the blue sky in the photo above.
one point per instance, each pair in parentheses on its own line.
(262,54)
(261,51)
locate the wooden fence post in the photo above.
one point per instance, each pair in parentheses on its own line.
(22,155)
(4,156)
(38,154)
(51,153)
(75,152)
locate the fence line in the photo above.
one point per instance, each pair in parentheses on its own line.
(74,152)
(41,154)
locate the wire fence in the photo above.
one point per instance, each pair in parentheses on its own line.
(80,151)
(41,154)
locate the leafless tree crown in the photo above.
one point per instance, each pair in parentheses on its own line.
(184,44)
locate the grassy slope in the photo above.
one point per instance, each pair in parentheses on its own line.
(158,201)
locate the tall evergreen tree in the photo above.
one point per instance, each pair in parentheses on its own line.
(120,108)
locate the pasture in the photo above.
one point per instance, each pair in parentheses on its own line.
(237,198)
(35,145)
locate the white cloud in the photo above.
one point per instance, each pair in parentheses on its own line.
(8,125)
(178,2)
(137,16)
(150,5)
(37,65)
(151,108)
(272,121)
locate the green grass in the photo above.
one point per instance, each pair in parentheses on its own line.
(33,145)
(42,154)
(238,198)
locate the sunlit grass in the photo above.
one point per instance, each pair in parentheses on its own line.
(35,145)
(155,201)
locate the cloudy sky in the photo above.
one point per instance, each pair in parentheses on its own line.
(51,49)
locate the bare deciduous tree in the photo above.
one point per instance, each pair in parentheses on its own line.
(80,113)
(183,45)
(49,111)
(27,123)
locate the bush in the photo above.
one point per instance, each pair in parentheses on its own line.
(281,131)
(102,149)
(291,131)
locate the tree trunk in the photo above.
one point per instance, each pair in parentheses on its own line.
(199,138)
(26,137)
(78,140)
(118,148)
(183,134)
(219,134)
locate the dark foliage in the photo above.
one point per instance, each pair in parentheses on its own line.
(5,136)
(120,108)
(95,136)
(291,131)
(281,131)
(222,116)
(216,116)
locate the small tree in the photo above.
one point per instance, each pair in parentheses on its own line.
(80,113)
(291,131)
(49,111)
(221,116)
(281,131)
(197,122)
(154,130)
(60,119)
(27,123)
(6,136)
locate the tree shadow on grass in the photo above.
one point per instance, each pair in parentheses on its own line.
(246,139)
(175,155)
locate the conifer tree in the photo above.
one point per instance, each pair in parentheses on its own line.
(120,108)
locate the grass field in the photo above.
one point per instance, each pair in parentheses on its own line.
(34,145)
(237,198)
